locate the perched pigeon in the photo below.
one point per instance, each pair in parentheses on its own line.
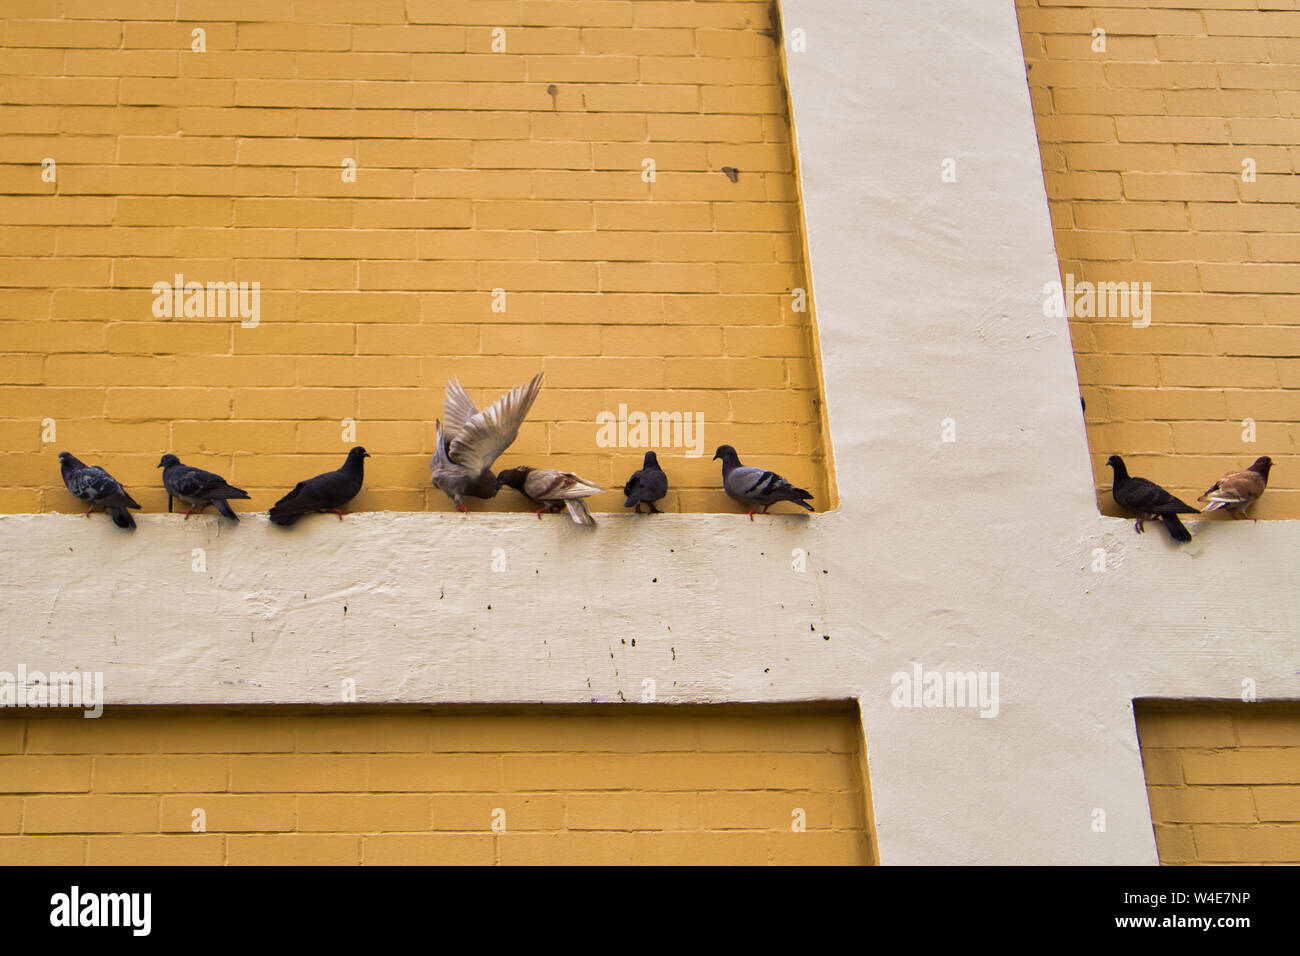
(1237,490)
(756,487)
(1149,501)
(92,483)
(197,488)
(647,485)
(553,489)
(472,440)
(327,492)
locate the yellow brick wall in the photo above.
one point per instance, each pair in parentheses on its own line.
(1142,147)
(600,786)
(1223,780)
(477,170)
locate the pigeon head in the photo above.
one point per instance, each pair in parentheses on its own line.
(651,460)
(1116,462)
(514,477)
(1261,466)
(485,486)
(727,454)
(69,462)
(168,460)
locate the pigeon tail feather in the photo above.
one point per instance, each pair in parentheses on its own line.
(1177,530)
(578,511)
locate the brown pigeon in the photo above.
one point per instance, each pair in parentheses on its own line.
(553,490)
(1237,490)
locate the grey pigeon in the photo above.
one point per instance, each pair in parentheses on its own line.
(1148,501)
(755,486)
(327,492)
(646,486)
(470,441)
(197,488)
(92,483)
(553,490)
(1237,490)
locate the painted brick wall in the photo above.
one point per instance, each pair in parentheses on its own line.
(693,785)
(1223,780)
(477,170)
(1143,148)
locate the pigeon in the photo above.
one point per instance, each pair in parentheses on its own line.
(92,483)
(1237,490)
(1149,501)
(473,440)
(327,492)
(197,488)
(646,486)
(756,487)
(553,490)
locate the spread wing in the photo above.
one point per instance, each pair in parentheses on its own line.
(486,434)
(457,408)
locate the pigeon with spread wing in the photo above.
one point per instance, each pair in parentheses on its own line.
(470,441)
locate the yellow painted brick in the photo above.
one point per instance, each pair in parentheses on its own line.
(819,848)
(91,814)
(701,848)
(765,810)
(438,772)
(63,33)
(1255,765)
(40,774)
(656,216)
(1277,804)
(365,814)
(1202,804)
(293,849)
(1262,843)
(428,849)
(159,774)
(42,850)
(1175,844)
(195,849)
(533,215)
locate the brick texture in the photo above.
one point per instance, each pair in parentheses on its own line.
(1145,148)
(1223,780)
(497,145)
(698,785)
